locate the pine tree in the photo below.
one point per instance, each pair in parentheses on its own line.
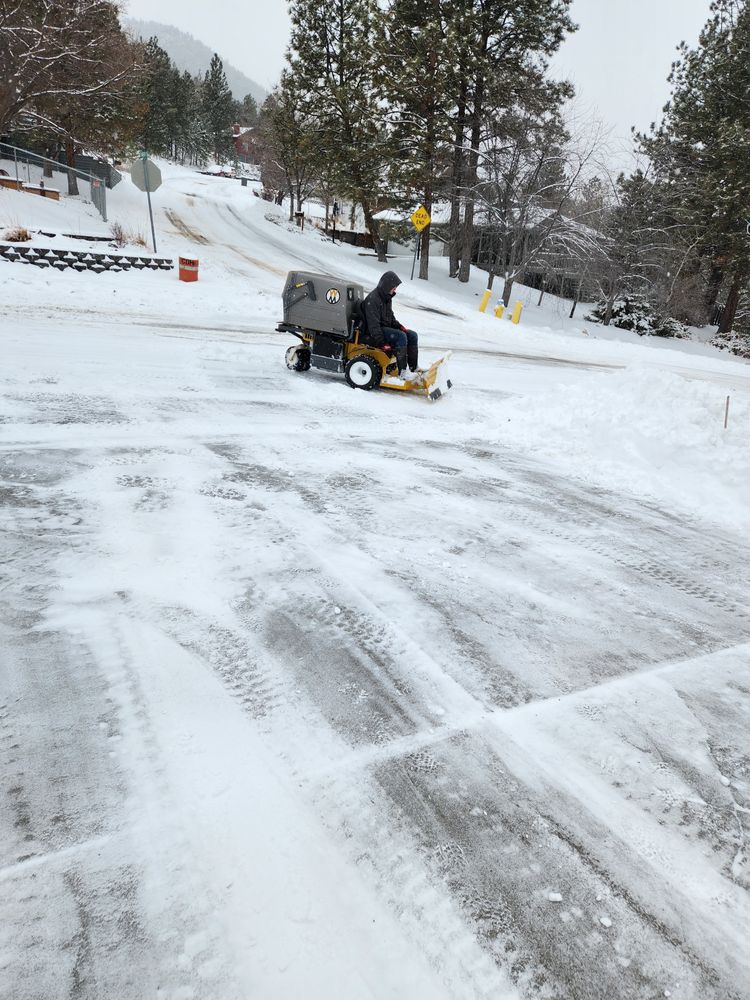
(246,111)
(157,92)
(332,59)
(193,140)
(417,67)
(218,109)
(510,43)
(701,151)
(174,123)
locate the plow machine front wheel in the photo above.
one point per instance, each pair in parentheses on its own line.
(363,372)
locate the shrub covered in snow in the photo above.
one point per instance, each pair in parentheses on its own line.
(16,234)
(634,312)
(734,342)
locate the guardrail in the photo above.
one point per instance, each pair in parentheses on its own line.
(25,157)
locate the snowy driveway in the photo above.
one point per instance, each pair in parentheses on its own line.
(314,692)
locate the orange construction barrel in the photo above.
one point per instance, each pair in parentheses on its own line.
(188,269)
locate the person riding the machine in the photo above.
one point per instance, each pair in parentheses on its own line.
(382,328)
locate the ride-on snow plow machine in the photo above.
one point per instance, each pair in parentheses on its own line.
(324,313)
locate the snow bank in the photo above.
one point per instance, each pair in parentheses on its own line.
(647,431)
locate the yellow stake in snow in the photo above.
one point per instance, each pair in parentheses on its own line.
(516,317)
(499,311)
(485,299)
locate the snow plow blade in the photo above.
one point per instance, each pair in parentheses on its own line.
(434,382)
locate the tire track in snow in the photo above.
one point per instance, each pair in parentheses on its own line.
(437,825)
(183,229)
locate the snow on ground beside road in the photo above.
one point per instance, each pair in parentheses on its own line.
(645,431)
(311,690)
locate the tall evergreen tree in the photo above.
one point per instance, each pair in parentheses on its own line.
(157,91)
(173,117)
(701,151)
(416,59)
(218,109)
(332,58)
(246,111)
(509,46)
(192,139)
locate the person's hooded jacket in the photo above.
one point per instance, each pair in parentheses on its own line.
(377,309)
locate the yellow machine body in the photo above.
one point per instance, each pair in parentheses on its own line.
(323,313)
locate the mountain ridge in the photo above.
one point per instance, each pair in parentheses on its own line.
(192,55)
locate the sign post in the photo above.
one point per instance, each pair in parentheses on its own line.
(147,177)
(420,220)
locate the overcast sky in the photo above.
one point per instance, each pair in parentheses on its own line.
(619,59)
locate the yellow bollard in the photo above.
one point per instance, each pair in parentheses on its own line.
(485,299)
(499,311)
(516,317)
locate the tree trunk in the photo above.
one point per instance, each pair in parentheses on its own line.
(424,254)
(471,178)
(511,272)
(290,185)
(542,291)
(372,229)
(609,308)
(454,226)
(70,157)
(577,299)
(713,287)
(467,236)
(424,237)
(729,311)
(47,165)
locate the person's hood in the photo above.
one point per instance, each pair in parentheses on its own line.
(388,281)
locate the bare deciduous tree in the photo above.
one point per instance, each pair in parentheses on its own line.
(55,50)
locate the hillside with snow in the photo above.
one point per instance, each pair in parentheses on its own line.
(193,56)
(310,691)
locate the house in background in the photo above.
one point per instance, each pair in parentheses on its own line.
(245,139)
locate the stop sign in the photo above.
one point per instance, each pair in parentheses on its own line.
(145,175)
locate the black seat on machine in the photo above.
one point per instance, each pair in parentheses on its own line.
(357,321)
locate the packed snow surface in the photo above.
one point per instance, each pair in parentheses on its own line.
(315,692)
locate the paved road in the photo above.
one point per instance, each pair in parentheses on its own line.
(517,706)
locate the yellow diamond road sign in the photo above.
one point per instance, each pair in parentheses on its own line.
(421,218)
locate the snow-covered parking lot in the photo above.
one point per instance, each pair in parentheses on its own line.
(313,692)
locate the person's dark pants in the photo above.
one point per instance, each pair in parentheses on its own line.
(406,346)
